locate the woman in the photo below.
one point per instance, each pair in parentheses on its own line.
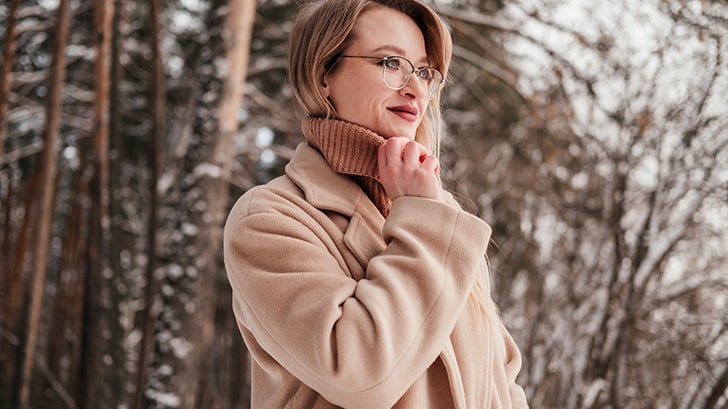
(357,281)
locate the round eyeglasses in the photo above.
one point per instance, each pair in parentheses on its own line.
(397,70)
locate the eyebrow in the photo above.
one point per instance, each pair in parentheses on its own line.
(399,51)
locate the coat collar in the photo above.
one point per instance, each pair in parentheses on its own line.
(324,188)
(327,190)
(350,149)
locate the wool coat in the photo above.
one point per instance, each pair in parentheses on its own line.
(340,307)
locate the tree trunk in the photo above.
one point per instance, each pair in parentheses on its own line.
(100,316)
(194,211)
(103,19)
(7,73)
(239,27)
(107,312)
(7,347)
(119,238)
(64,335)
(149,313)
(17,291)
(718,390)
(48,170)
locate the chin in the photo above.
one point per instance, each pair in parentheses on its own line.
(406,132)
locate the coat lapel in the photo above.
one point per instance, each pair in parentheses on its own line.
(330,191)
(364,236)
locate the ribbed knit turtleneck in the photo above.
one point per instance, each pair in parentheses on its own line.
(350,150)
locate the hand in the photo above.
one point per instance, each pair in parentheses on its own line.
(407,169)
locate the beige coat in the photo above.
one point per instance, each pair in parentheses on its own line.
(342,308)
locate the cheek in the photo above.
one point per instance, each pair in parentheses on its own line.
(356,99)
(340,92)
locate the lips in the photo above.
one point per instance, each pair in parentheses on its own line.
(407,112)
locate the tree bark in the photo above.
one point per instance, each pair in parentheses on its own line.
(118,238)
(65,332)
(718,390)
(103,24)
(100,316)
(17,292)
(48,170)
(149,313)
(8,348)
(237,37)
(7,73)
(190,309)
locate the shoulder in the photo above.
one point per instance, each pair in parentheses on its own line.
(273,197)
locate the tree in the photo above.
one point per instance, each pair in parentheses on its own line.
(191,257)
(47,170)
(7,72)
(89,354)
(614,176)
(572,128)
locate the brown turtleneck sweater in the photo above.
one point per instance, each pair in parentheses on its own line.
(351,150)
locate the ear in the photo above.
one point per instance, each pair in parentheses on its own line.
(324,85)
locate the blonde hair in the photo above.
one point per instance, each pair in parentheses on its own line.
(323,29)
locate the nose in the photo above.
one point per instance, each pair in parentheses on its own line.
(415,87)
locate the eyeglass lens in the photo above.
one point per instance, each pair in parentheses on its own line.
(398,70)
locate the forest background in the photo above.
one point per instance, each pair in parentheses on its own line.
(592,136)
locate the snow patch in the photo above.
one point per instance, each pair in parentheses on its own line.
(164,398)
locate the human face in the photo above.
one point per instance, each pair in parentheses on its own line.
(355,86)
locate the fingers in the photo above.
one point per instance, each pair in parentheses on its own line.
(431,164)
(407,169)
(391,152)
(416,155)
(401,150)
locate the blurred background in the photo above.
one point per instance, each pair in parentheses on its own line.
(592,136)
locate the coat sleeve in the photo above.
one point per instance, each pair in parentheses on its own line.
(360,344)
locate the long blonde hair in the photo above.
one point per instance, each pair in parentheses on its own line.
(323,29)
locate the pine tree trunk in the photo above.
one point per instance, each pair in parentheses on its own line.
(101,336)
(718,390)
(48,169)
(64,348)
(194,210)
(149,313)
(17,291)
(7,73)
(8,347)
(200,328)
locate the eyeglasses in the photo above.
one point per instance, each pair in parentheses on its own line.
(396,72)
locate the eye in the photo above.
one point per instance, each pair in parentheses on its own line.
(392,64)
(425,74)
